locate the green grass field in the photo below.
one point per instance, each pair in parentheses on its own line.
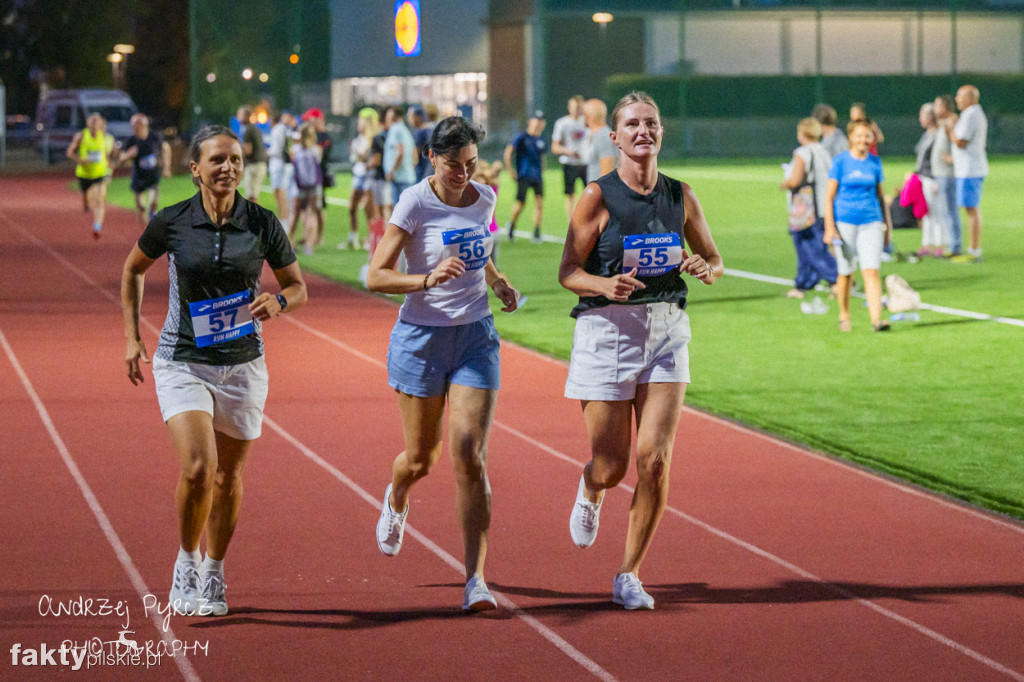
(936,402)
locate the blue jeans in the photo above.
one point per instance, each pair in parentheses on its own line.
(947,193)
(399,187)
(814,262)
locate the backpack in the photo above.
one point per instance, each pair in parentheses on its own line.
(307,169)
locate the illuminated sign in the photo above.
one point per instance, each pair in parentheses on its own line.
(407,28)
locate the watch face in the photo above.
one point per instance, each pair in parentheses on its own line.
(282,300)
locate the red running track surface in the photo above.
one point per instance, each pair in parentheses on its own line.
(772,562)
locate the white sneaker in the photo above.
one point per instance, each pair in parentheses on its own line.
(584,519)
(212,602)
(185,593)
(628,591)
(390,526)
(476,596)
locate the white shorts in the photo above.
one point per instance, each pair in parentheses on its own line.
(253,175)
(861,243)
(617,347)
(382,194)
(234,395)
(278,179)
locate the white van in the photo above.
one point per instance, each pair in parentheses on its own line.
(62,113)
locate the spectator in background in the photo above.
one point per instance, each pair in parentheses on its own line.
(421,129)
(857,222)
(859,112)
(150,157)
(399,152)
(359,154)
(280,165)
(254,168)
(306,155)
(809,168)
(832,138)
(942,169)
(933,228)
(967,137)
(315,117)
(567,138)
(524,158)
(599,151)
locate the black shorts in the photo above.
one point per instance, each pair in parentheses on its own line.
(573,172)
(85,183)
(143,181)
(523,184)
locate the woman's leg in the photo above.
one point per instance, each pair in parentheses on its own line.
(609,425)
(658,407)
(843,298)
(421,427)
(873,292)
(470,412)
(195,443)
(227,494)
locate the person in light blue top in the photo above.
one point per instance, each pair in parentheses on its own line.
(400,153)
(857,222)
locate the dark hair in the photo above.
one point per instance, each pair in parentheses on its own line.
(947,101)
(397,110)
(825,114)
(194,150)
(454,133)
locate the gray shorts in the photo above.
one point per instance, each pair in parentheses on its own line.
(862,244)
(234,395)
(617,347)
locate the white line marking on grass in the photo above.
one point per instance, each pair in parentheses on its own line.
(768,279)
(562,645)
(123,557)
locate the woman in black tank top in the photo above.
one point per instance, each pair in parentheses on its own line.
(625,254)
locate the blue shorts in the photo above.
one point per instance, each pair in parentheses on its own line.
(424,360)
(362,183)
(968,192)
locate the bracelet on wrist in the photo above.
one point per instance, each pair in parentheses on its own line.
(425,278)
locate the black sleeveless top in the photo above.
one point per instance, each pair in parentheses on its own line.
(631,213)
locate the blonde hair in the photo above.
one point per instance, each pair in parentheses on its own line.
(307,135)
(635,97)
(809,128)
(371,122)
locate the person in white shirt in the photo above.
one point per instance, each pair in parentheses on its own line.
(279,165)
(967,136)
(567,138)
(444,350)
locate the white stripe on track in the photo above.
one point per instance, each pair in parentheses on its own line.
(123,557)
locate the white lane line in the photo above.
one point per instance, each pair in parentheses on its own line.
(547,633)
(123,557)
(945,310)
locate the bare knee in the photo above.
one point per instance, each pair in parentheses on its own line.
(608,473)
(200,473)
(470,465)
(653,465)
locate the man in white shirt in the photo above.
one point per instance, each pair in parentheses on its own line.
(280,165)
(600,153)
(567,140)
(970,163)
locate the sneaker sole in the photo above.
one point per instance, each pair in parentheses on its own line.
(482,605)
(632,607)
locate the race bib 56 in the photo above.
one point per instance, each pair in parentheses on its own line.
(217,320)
(472,244)
(651,254)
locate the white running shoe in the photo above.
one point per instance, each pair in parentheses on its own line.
(185,593)
(212,602)
(628,591)
(584,519)
(390,526)
(476,597)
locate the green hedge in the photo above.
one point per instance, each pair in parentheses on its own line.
(728,96)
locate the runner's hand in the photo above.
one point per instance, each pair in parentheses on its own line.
(507,294)
(449,268)
(696,266)
(621,287)
(136,351)
(265,306)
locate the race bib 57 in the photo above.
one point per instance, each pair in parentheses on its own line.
(651,254)
(218,320)
(471,244)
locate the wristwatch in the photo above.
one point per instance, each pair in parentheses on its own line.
(283,301)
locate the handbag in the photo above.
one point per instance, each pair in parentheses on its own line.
(803,209)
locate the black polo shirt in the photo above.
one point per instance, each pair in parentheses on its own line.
(214,273)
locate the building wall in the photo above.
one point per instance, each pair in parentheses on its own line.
(783,42)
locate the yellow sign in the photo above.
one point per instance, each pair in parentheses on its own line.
(407,28)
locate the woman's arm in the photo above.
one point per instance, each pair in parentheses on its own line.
(293,288)
(588,222)
(383,278)
(796,175)
(132,280)
(886,216)
(831,232)
(705,263)
(505,292)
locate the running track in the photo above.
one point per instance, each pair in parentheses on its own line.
(772,563)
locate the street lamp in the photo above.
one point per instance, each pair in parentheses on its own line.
(121,50)
(116,60)
(247,74)
(602,18)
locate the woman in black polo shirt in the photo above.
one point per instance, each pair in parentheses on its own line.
(210,376)
(624,256)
